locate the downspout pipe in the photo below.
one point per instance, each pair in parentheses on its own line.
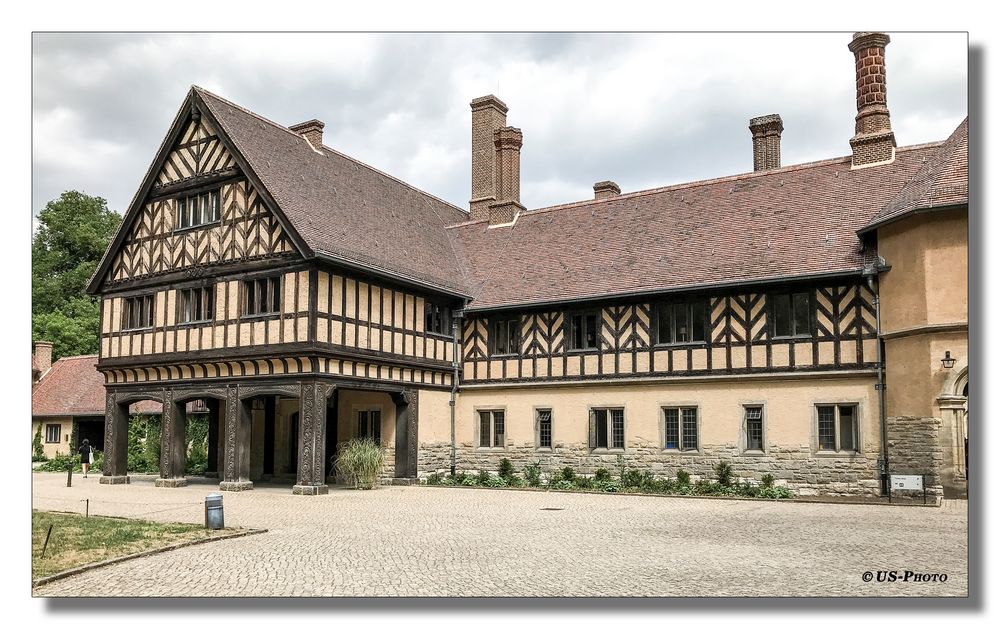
(871,275)
(456,321)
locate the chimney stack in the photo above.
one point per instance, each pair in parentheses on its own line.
(311,130)
(606,190)
(507,141)
(43,356)
(873,141)
(766,132)
(489,114)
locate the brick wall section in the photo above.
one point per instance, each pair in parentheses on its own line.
(915,448)
(489,114)
(795,467)
(873,140)
(311,130)
(766,134)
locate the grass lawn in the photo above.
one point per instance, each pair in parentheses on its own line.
(77,540)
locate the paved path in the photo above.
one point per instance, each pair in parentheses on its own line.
(424,541)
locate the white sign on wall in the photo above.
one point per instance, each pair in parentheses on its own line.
(907,481)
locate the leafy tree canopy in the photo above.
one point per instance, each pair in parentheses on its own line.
(73,232)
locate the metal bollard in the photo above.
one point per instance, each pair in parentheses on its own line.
(214,516)
(69,474)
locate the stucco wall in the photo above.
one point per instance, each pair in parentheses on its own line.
(790,429)
(51,449)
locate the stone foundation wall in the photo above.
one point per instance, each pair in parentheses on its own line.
(796,467)
(915,448)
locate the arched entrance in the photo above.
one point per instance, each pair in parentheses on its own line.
(954,406)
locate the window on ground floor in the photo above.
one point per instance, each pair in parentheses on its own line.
(837,427)
(607,428)
(543,428)
(680,428)
(369,424)
(753,428)
(491,428)
(53,432)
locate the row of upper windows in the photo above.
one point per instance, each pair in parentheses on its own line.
(675,322)
(836,428)
(260,297)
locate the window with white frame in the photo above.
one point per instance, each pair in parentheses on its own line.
(753,428)
(491,429)
(369,424)
(680,428)
(607,428)
(543,428)
(837,427)
(52,433)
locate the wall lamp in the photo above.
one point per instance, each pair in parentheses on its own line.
(948,361)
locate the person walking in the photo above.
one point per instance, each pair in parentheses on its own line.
(86,456)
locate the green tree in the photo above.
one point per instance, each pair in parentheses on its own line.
(73,232)
(37,451)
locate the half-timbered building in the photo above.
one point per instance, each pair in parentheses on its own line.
(788,320)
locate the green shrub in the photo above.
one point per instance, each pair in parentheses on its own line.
(484,477)
(567,474)
(533,474)
(151,446)
(583,482)
(196,434)
(361,461)
(470,481)
(602,475)
(495,481)
(448,481)
(683,477)
(59,462)
(724,473)
(460,478)
(506,469)
(434,479)
(37,449)
(514,481)
(632,479)
(775,493)
(664,486)
(620,464)
(610,486)
(767,481)
(706,488)
(561,484)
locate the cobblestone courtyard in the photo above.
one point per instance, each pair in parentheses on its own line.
(421,541)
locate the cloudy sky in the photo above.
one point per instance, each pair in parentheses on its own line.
(643,110)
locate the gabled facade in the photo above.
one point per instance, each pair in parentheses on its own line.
(311,299)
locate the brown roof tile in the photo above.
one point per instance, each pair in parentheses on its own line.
(344,208)
(73,386)
(942,181)
(789,222)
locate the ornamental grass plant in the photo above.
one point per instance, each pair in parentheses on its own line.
(360,461)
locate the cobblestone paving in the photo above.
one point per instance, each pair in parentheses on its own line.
(423,541)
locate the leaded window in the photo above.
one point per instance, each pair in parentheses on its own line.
(506,335)
(544,420)
(607,428)
(262,296)
(370,424)
(195,304)
(583,330)
(753,424)
(492,429)
(791,314)
(680,428)
(199,209)
(837,429)
(137,312)
(52,433)
(681,322)
(437,318)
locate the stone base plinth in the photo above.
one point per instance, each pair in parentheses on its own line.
(310,490)
(171,482)
(404,481)
(114,480)
(235,485)
(211,474)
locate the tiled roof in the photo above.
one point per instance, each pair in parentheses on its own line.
(73,386)
(788,222)
(344,208)
(942,181)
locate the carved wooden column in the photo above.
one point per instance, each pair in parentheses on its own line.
(115,442)
(212,468)
(312,440)
(236,473)
(173,443)
(407,411)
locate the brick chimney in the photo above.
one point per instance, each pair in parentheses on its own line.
(311,130)
(42,358)
(873,141)
(489,114)
(766,132)
(507,141)
(606,190)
